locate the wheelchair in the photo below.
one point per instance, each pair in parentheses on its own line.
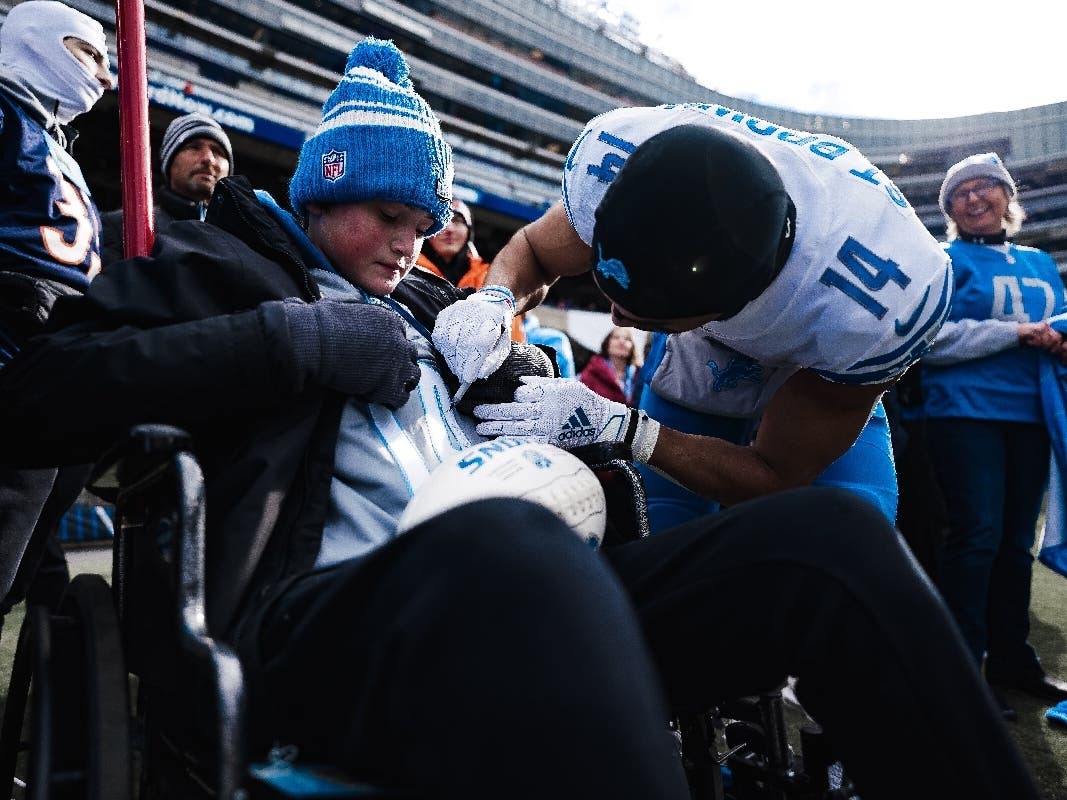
(94,710)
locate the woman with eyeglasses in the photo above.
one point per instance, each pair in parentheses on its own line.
(987,438)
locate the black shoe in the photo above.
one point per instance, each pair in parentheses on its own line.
(1033,682)
(1007,713)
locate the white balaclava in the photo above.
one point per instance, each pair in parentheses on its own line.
(31,45)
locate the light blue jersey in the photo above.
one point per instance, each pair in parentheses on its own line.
(382,455)
(976,368)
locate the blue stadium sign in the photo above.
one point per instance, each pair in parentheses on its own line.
(228,117)
(246,121)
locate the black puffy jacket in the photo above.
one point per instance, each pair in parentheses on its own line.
(183,338)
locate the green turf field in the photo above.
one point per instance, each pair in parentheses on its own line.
(1043,746)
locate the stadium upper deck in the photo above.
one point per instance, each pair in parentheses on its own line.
(513,83)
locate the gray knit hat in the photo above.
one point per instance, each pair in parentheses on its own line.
(982,165)
(192,126)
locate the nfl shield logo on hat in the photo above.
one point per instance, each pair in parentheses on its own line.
(333,165)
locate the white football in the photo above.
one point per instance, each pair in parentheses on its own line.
(509,467)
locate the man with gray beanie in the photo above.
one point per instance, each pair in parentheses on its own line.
(53,67)
(194,155)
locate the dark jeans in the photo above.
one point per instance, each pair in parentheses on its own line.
(32,563)
(489,654)
(32,501)
(993,476)
(23,493)
(921,515)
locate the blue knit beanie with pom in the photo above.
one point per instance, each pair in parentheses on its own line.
(378,140)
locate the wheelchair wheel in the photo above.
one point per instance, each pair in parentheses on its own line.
(65,732)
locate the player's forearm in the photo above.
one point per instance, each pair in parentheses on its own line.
(517,267)
(546,249)
(719,470)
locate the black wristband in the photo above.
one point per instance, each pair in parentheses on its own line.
(631,429)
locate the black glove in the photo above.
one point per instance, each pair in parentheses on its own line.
(525,359)
(358,349)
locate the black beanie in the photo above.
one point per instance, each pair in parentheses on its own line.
(696,222)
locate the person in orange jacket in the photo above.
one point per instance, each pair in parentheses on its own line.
(451,255)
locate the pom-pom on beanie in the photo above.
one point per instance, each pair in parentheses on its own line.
(378,140)
(982,165)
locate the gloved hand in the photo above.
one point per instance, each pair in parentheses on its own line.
(525,360)
(358,349)
(474,334)
(567,413)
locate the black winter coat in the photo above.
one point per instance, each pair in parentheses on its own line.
(182,338)
(169,207)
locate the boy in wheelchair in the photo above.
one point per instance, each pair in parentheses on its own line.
(487,653)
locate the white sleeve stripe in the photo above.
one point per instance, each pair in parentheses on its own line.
(407,457)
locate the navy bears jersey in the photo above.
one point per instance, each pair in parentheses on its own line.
(49,226)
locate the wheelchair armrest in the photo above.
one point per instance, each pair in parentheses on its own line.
(145,450)
(156,483)
(615,458)
(600,453)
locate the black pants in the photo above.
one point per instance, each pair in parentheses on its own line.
(32,501)
(23,493)
(921,515)
(993,476)
(32,563)
(489,654)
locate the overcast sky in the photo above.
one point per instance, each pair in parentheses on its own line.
(908,59)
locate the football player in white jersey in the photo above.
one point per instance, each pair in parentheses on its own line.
(792,280)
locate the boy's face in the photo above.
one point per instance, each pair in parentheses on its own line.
(373,244)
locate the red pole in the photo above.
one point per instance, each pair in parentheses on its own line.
(134,145)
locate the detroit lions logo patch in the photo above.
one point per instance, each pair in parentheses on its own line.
(612,268)
(739,368)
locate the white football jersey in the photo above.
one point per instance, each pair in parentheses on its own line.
(862,295)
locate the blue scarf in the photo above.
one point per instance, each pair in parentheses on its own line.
(1053,378)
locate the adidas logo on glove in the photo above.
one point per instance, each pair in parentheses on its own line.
(567,413)
(577,427)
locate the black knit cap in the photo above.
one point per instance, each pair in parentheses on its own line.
(696,222)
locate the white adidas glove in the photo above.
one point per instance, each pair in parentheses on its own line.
(567,413)
(474,334)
